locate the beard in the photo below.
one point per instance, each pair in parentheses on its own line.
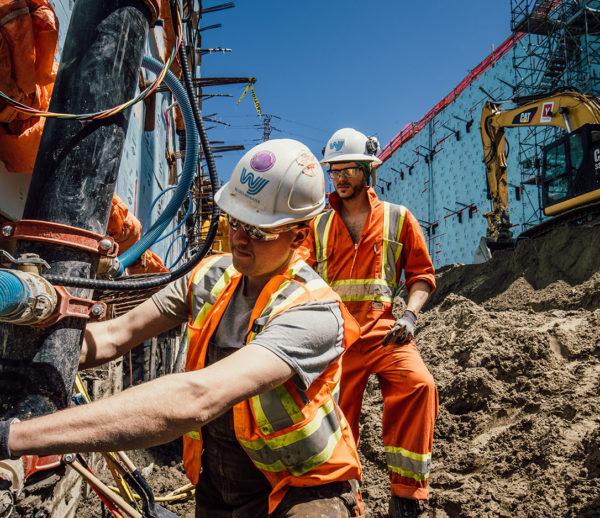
(355,190)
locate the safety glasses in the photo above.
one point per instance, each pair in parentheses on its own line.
(257,233)
(348,172)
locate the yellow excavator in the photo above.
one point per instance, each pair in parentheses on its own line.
(570,169)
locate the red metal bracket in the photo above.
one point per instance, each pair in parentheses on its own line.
(33,464)
(70,306)
(59,234)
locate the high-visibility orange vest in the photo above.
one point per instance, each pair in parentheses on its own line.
(294,437)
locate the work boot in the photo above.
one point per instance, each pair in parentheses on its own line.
(404,508)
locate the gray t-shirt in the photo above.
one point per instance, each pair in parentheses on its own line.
(308,337)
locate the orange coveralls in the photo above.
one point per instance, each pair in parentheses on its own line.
(366,276)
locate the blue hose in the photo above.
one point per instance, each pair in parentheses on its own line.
(187,175)
(188,213)
(183,248)
(13,293)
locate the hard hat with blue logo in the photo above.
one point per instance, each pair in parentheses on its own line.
(349,145)
(275,183)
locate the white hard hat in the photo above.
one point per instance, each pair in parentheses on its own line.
(349,145)
(275,183)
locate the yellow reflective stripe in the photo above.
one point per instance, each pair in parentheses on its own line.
(319,458)
(308,465)
(326,244)
(259,414)
(408,463)
(193,435)
(289,404)
(318,245)
(419,457)
(321,242)
(222,282)
(400,226)
(201,316)
(366,298)
(357,282)
(408,474)
(401,222)
(367,293)
(385,240)
(274,296)
(293,436)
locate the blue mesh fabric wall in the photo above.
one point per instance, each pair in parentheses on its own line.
(456,174)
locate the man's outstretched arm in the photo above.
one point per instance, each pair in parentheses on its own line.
(155,412)
(105,341)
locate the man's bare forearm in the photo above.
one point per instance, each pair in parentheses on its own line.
(105,341)
(155,412)
(417,296)
(146,415)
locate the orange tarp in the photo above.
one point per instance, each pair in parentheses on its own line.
(126,230)
(28,42)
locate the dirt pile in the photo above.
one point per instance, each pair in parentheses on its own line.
(514,346)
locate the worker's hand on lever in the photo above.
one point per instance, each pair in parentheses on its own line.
(403,329)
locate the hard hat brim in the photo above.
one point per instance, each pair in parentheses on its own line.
(352,157)
(230,202)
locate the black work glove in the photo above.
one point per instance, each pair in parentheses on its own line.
(403,330)
(4,431)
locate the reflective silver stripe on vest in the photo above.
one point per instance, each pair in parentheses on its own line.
(301,450)
(355,290)
(277,409)
(204,281)
(407,463)
(322,227)
(393,221)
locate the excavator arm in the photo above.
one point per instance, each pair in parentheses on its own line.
(567,110)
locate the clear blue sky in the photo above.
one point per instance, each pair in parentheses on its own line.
(325,64)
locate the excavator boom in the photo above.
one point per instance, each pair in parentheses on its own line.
(570,111)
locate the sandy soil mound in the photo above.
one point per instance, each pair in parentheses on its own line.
(514,346)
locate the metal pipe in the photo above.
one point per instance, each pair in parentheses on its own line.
(73,183)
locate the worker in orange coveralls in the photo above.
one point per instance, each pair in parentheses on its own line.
(361,248)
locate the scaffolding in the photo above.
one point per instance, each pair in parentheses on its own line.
(556,47)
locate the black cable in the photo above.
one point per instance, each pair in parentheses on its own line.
(162,279)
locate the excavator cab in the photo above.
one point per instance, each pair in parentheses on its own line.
(571,170)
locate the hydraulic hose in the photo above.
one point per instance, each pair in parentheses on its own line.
(187,175)
(183,221)
(13,293)
(162,279)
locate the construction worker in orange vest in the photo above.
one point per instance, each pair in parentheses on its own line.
(263,433)
(361,248)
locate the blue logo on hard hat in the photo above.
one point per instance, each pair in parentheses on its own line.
(255,183)
(336,145)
